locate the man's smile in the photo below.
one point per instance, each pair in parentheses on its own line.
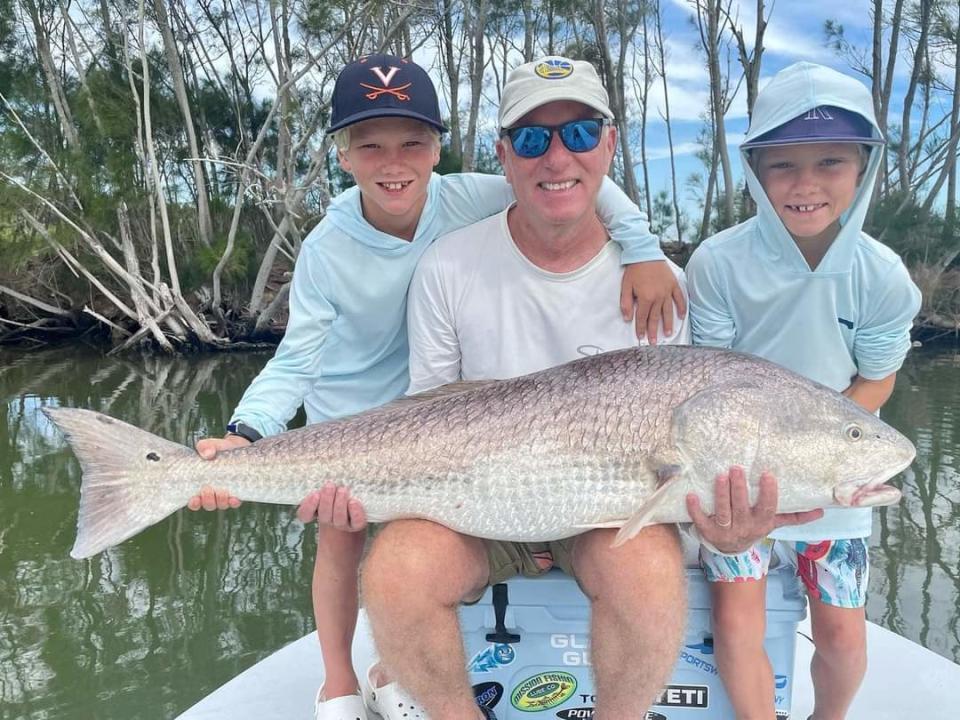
(557,185)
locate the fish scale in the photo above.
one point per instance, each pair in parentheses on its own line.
(617,439)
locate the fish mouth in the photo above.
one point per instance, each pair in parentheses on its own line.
(872,493)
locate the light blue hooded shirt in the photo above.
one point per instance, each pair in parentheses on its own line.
(345,347)
(752,290)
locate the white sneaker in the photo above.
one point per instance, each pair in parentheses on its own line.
(391,702)
(348,707)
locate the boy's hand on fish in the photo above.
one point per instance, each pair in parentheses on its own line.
(735,526)
(332,505)
(648,295)
(215,498)
(207,448)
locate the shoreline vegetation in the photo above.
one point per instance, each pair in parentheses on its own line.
(161,164)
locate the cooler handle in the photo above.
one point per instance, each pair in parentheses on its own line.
(500,602)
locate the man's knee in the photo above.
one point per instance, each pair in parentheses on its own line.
(419,558)
(653,557)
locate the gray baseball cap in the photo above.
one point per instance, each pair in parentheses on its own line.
(548,80)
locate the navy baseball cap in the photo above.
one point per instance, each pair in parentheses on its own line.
(822,124)
(383,86)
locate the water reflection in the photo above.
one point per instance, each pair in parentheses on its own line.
(916,555)
(147,628)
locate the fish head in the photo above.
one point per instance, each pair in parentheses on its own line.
(860,452)
(824,449)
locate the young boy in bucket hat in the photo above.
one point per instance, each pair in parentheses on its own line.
(801,284)
(345,348)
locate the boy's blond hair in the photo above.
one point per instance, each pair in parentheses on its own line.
(341,137)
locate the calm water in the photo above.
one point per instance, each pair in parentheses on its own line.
(146,629)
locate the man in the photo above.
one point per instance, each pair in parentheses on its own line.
(527,289)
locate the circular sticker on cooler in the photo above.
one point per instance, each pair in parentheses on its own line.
(543,691)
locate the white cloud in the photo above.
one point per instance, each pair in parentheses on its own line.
(689,148)
(679,150)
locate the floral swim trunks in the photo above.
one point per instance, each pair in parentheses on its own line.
(835,572)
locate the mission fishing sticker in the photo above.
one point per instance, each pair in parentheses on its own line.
(492,658)
(543,691)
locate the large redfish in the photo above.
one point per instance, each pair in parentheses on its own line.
(615,440)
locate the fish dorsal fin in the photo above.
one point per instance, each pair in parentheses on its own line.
(436,393)
(454,388)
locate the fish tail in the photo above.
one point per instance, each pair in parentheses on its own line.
(121,492)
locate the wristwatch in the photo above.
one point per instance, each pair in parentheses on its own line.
(243,430)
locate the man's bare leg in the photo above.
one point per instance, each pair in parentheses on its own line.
(335,606)
(739,627)
(638,598)
(415,577)
(839,659)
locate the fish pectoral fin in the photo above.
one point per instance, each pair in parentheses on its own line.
(644,516)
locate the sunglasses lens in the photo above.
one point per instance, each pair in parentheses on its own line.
(581,135)
(530,141)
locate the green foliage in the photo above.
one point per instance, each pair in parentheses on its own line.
(197,269)
(449,162)
(917,236)
(487,161)
(663,221)
(17,246)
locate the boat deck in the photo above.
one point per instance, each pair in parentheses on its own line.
(904,681)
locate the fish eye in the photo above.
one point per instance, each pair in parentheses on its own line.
(853,432)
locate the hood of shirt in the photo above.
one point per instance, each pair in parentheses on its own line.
(792,92)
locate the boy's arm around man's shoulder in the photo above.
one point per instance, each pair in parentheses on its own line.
(627,225)
(466,198)
(711,317)
(431,327)
(650,295)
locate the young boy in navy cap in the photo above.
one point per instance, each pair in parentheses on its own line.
(345,347)
(801,284)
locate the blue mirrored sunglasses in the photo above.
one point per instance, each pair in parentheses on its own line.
(579,136)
